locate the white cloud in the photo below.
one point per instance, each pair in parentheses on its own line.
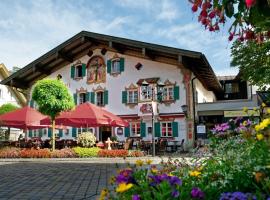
(168,11)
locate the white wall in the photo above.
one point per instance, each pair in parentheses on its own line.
(203,94)
(6,96)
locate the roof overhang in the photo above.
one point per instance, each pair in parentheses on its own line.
(85,42)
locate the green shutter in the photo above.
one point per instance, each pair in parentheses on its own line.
(74,132)
(60,132)
(93,97)
(176,92)
(31,103)
(127,131)
(49,132)
(106,96)
(143,129)
(75,98)
(83,69)
(175,129)
(157,129)
(88,96)
(122,64)
(30,133)
(40,132)
(109,66)
(124,96)
(72,71)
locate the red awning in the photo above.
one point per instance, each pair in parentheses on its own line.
(87,115)
(24,118)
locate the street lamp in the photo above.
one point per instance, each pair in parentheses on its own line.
(185,110)
(159,92)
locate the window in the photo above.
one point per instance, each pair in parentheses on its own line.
(146,92)
(115,66)
(132,96)
(166,129)
(168,93)
(135,129)
(78,71)
(231,88)
(82,98)
(100,98)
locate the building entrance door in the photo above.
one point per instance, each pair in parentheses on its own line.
(105,133)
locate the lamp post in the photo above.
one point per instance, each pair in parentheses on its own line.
(159,92)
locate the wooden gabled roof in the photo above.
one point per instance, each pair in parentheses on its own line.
(84,42)
(21,100)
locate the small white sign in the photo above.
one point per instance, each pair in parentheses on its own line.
(201,129)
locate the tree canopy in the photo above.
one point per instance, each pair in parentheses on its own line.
(253,61)
(8,107)
(250,18)
(52,97)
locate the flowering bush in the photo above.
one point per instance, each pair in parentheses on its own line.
(113,153)
(9,152)
(35,153)
(63,153)
(87,139)
(86,152)
(237,167)
(135,153)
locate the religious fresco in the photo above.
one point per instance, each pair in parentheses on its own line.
(96,70)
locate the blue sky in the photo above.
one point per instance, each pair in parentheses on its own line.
(28,29)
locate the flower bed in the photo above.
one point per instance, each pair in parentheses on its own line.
(35,153)
(135,153)
(9,152)
(237,168)
(86,152)
(113,153)
(63,153)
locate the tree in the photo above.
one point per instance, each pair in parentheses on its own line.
(8,107)
(52,97)
(253,61)
(251,18)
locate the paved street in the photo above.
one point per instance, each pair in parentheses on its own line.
(51,179)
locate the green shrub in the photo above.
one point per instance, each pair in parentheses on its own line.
(87,139)
(86,152)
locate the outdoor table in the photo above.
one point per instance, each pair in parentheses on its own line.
(172,144)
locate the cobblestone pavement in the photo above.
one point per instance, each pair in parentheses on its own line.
(52,179)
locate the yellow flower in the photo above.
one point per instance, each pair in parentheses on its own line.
(259,136)
(112,180)
(255,109)
(122,187)
(200,168)
(194,173)
(268,111)
(154,170)
(139,162)
(263,105)
(245,109)
(103,194)
(148,162)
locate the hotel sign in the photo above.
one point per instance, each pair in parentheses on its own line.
(241,113)
(148,108)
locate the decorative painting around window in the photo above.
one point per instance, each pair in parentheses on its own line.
(115,65)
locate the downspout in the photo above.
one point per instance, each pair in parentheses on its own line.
(193,103)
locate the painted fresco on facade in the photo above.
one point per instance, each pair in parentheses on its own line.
(96,70)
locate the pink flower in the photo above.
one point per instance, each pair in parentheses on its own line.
(250,3)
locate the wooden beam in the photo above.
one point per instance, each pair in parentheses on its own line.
(18,83)
(64,56)
(41,68)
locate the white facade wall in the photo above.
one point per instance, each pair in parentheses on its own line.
(6,96)
(115,86)
(203,95)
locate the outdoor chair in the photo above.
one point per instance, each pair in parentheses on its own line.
(162,147)
(128,144)
(180,146)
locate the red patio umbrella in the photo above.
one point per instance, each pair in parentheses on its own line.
(87,115)
(23,118)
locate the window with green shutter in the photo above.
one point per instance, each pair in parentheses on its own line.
(109,66)
(83,69)
(175,129)
(72,71)
(106,96)
(75,98)
(127,131)
(88,96)
(30,133)
(143,129)
(74,132)
(92,97)
(39,132)
(176,92)
(157,129)
(60,132)
(122,64)
(124,96)
(49,132)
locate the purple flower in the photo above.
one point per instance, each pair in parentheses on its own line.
(237,196)
(197,193)
(136,197)
(125,176)
(174,180)
(175,193)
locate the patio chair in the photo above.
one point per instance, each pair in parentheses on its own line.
(180,146)
(162,147)
(128,144)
